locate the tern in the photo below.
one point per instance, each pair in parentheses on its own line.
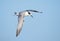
(21,16)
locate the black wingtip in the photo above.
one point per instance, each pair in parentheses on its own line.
(16,35)
(15,13)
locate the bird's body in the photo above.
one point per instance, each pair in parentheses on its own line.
(21,16)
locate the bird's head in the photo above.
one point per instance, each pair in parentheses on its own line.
(30,14)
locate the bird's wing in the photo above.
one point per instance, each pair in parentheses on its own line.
(20,24)
(19,18)
(34,11)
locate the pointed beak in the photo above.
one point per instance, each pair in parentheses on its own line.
(31,16)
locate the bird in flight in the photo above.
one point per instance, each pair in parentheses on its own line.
(21,16)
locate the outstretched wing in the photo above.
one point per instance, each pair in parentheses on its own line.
(34,11)
(20,24)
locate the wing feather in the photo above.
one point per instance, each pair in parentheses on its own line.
(20,24)
(34,11)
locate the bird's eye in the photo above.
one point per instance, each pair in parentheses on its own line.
(29,13)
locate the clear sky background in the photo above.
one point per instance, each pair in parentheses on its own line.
(42,27)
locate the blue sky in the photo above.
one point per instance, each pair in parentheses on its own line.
(42,27)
